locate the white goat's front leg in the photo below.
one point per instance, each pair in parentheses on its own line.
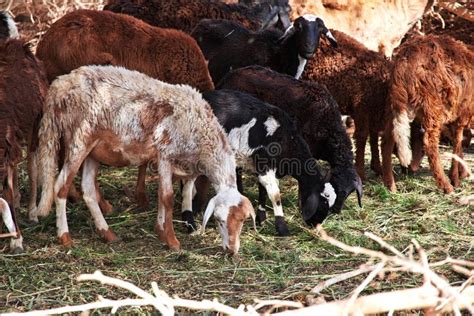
(16,244)
(91,196)
(164,222)
(187,205)
(270,182)
(33,179)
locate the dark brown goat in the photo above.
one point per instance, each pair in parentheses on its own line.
(358,80)
(23,86)
(87,37)
(432,83)
(184,15)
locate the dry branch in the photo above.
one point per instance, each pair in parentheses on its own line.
(436,294)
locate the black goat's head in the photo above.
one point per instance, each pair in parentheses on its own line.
(345,182)
(316,203)
(308,29)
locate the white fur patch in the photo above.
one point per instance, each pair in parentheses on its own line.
(271,124)
(301,65)
(329,35)
(12,27)
(329,193)
(270,182)
(310,17)
(239,142)
(401,135)
(7,216)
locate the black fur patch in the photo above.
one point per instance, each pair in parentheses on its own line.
(281,227)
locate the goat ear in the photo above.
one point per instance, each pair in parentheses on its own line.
(327,33)
(253,216)
(207,214)
(290,31)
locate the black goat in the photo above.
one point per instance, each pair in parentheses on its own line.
(266,142)
(317,115)
(184,15)
(7,26)
(228,45)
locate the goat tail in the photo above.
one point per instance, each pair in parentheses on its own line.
(47,159)
(401,135)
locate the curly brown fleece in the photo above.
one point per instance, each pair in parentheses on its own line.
(433,84)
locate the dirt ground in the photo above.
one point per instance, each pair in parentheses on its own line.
(268,267)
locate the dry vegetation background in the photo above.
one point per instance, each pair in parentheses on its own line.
(269,267)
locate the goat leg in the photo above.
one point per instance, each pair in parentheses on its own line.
(186,206)
(374,150)
(388,143)
(431,142)
(262,198)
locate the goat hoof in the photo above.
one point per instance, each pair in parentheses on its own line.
(66,240)
(281,227)
(105,207)
(108,235)
(143,202)
(174,245)
(377,168)
(448,189)
(188,219)
(16,251)
(261,217)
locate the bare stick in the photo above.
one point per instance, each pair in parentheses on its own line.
(341,277)
(418,298)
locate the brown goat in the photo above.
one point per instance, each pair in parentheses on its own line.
(358,80)
(87,37)
(184,15)
(23,86)
(432,83)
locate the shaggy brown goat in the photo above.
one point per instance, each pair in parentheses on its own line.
(184,15)
(120,117)
(358,80)
(87,37)
(432,83)
(23,86)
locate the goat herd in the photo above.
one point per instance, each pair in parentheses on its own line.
(205,90)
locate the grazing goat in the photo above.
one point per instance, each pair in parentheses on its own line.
(119,117)
(266,142)
(228,45)
(432,83)
(8,28)
(87,37)
(184,15)
(23,86)
(81,38)
(317,116)
(358,80)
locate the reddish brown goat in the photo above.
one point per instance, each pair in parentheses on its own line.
(433,84)
(87,37)
(358,80)
(23,86)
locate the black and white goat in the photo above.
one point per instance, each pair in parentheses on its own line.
(7,26)
(266,142)
(317,116)
(229,45)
